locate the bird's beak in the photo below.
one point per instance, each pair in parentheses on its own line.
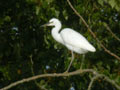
(47,24)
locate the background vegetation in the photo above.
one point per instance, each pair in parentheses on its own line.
(22,39)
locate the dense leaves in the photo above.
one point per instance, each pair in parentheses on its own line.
(22,37)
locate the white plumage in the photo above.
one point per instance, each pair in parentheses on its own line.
(73,40)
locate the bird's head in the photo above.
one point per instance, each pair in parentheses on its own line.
(52,22)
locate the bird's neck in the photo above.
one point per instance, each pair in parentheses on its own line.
(55,33)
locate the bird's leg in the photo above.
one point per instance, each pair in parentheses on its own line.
(83,57)
(70,62)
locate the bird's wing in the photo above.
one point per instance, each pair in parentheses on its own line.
(75,39)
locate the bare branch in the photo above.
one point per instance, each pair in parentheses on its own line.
(108,28)
(92,81)
(111,81)
(93,34)
(104,78)
(61,75)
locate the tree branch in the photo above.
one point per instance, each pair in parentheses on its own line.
(92,81)
(108,28)
(93,34)
(61,75)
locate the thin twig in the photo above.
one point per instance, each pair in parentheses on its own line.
(93,34)
(61,75)
(108,28)
(92,81)
(37,84)
(104,78)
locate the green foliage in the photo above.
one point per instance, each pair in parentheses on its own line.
(113,3)
(21,36)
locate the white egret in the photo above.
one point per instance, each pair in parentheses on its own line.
(73,40)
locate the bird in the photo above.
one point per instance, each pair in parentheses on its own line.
(71,39)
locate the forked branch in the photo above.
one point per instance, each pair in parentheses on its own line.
(77,72)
